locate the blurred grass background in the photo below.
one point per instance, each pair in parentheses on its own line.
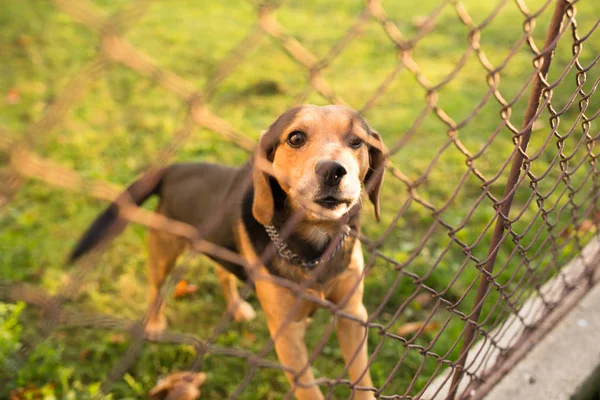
(115,131)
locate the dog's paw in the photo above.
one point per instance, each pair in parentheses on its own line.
(156,326)
(242,311)
(178,385)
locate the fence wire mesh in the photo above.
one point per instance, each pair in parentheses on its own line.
(478,228)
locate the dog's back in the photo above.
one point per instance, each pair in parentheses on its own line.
(204,195)
(211,204)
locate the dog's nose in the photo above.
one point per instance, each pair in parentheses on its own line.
(330,172)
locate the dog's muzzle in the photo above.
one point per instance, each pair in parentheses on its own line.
(330,175)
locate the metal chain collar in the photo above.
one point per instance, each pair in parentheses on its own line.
(294,258)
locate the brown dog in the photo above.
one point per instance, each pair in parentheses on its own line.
(320,157)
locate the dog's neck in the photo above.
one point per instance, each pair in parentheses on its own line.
(317,234)
(302,238)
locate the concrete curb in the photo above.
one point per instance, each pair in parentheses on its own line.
(565,364)
(483,354)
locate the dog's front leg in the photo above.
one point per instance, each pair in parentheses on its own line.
(353,342)
(287,319)
(347,293)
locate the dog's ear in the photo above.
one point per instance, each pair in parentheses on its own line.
(374,177)
(263,205)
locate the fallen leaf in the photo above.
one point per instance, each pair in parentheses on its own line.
(413,327)
(83,354)
(117,338)
(183,289)
(60,335)
(586,226)
(423,299)
(566,232)
(178,386)
(30,392)
(24,40)
(12,96)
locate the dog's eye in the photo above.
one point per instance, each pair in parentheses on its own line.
(296,139)
(356,142)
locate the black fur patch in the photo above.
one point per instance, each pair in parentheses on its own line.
(276,265)
(108,224)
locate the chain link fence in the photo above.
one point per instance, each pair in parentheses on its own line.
(505,283)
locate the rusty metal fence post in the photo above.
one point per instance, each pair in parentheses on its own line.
(503,207)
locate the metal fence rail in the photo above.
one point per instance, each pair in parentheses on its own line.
(564,201)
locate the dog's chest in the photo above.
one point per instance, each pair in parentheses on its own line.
(304,245)
(317,237)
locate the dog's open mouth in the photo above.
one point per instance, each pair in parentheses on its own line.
(331,202)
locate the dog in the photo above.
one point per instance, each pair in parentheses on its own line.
(323,160)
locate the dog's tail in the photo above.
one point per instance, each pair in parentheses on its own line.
(108,224)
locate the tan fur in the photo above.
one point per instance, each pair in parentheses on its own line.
(329,129)
(286,313)
(287,317)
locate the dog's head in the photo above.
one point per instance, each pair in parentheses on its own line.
(322,156)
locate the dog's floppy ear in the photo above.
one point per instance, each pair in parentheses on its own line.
(374,177)
(263,205)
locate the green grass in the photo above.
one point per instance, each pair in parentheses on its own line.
(115,130)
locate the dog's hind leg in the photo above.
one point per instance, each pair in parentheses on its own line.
(163,251)
(237,307)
